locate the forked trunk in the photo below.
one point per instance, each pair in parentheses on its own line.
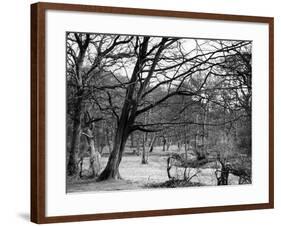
(126,119)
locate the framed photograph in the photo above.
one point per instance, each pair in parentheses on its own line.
(141,112)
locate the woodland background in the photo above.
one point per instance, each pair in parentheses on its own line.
(15,134)
(188,100)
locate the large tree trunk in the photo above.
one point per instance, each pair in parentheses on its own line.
(126,120)
(111,170)
(122,132)
(72,167)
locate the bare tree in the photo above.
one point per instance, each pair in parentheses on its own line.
(82,80)
(159,63)
(125,77)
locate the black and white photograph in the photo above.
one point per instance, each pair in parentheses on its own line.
(153,112)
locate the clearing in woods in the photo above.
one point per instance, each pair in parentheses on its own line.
(138,176)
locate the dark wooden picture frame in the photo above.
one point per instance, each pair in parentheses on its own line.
(38,120)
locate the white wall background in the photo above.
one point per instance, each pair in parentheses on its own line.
(15,114)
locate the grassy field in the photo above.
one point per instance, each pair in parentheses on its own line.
(141,176)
